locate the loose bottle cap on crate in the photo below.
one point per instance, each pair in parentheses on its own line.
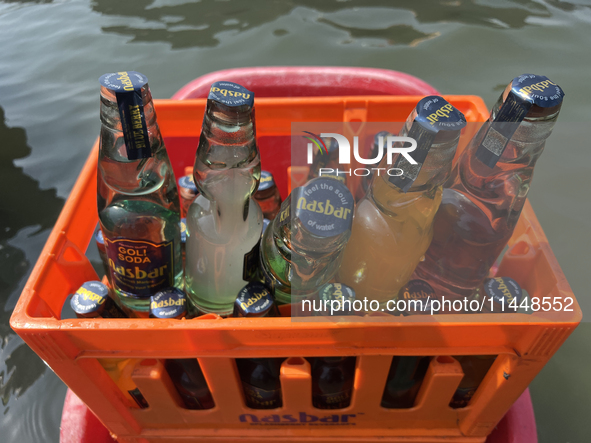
(187,182)
(339,292)
(170,303)
(418,295)
(503,291)
(323,206)
(254,300)
(89,299)
(230,94)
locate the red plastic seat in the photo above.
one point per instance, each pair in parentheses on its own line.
(310,81)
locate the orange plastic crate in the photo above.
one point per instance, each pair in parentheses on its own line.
(523,343)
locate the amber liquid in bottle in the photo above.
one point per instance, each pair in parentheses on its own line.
(392,229)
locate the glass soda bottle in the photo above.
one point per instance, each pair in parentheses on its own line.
(190,383)
(393,224)
(404,380)
(302,248)
(267,196)
(138,203)
(488,187)
(332,381)
(224,223)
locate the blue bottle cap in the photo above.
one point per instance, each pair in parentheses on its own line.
(324,207)
(539,90)
(418,295)
(100,239)
(188,183)
(254,300)
(339,292)
(231,94)
(89,298)
(503,291)
(124,81)
(183,224)
(266,181)
(170,303)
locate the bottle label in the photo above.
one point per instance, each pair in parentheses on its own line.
(231,94)
(258,398)
(431,115)
(127,86)
(284,216)
(525,91)
(140,268)
(323,206)
(334,400)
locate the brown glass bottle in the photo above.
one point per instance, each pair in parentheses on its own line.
(475,368)
(332,381)
(404,380)
(190,383)
(488,187)
(267,196)
(260,381)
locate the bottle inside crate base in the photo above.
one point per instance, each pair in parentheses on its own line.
(393,223)
(188,379)
(332,381)
(488,187)
(268,196)
(137,196)
(475,368)
(404,381)
(260,382)
(302,248)
(224,223)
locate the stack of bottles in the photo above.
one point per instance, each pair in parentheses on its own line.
(222,241)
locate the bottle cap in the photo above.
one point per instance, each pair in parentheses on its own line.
(89,299)
(266,181)
(433,120)
(503,291)
(339,292)
(254,300)
(323,206)
(418,295)
(187,182)
(231,94)
(170,303)
(128,87)
(183,224)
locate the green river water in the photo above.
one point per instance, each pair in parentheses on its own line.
(52,53)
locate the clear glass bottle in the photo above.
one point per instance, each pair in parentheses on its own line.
(302,248)
(393,224)
(488,187)
(224,223)
(138,203)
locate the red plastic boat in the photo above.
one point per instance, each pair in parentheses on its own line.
(79,425)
